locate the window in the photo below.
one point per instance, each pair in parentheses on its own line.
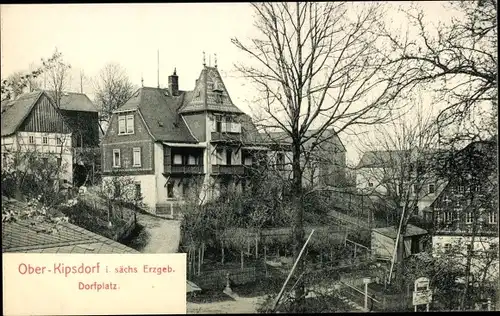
(137,190)
(185,189)
(460,189)
(121,125)
(130,124)
(447,248)
(192,160)
(45,140)
(126,124)
(218,124)
(492,218)
(31,139)
(370,184)
(229,154)
(280,159)
(248,161)
(218,97)
(137,157)
(448,216)
(493,247)
(219,156)
(59,141)
(468,218)
(177,159)
(170,190)
(116,158)
(432,189)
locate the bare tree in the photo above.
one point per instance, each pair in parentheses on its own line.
(112,89)
(457,60)
(317,66)
(59,80)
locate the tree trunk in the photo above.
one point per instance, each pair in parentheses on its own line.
(298,224)
(199,260)
(242,259)
(222,250)
(256,247)
(203,253)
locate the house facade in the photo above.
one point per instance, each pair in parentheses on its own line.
(31,124)
(82,117)
(180,145)
(323,157)
(465,214)
(184,146)
(405,175)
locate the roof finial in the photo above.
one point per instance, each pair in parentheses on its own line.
(142,80)
(204,63)
(215,60)
(175,71)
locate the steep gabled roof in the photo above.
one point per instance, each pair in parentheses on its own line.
(285,139)
(159,110)
(204,95)
(14,112)
(381,158)
(74,101)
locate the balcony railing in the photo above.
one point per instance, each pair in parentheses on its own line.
(229,170)
(184,169)
(225,136)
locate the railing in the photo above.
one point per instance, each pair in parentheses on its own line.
(183,169)
(225,136)
(230,170)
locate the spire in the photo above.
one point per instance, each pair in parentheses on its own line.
(175,71)
(215,60)
(204,63)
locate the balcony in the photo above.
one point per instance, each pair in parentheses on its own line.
(226,137)
(228,170)
(184,169)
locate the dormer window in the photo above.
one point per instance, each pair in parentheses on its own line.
(218,97)
(126,124)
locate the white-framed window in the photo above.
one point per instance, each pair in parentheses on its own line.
(177,159)
(370,184)
(431,188)
(116,158)
(45,140)
(31,139)
(59,140)
(192,160)
(130,124)
(468,218)
(126,124)
(492,218)
(137,157)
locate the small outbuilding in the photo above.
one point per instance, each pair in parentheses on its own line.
(383,241)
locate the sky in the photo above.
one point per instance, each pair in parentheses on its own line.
(91,35)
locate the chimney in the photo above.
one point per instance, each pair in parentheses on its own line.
(173,83)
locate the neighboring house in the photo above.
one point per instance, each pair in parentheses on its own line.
(32,124)
(390,174)
(180,145)
(466,210)
(82,118)
(23,236)
(324,163)
(383,242)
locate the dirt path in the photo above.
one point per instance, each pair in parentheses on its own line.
(158,235)
(239,305)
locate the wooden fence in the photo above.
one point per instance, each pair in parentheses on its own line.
(217,279)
